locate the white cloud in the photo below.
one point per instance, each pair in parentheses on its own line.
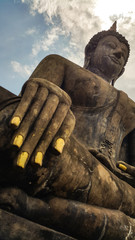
(30,31)
(36,48)
(22,70)
(76,17)
(47,40)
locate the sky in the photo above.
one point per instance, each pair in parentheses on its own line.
(33,29)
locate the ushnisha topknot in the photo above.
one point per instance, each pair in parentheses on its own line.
(92,44)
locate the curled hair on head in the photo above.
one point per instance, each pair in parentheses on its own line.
(92,44)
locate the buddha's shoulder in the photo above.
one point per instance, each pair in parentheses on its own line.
(59,59)
(128,102)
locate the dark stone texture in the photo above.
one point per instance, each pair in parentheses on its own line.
(13,227)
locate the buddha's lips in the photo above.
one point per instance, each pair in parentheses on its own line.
(114,59)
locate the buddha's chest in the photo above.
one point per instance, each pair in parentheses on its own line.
(102,126)
(100,129)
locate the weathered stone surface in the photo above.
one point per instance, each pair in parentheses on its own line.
(13,227)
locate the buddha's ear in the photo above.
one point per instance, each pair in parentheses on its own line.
(87,62)
(122,71)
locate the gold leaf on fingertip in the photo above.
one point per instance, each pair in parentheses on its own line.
(122,167)
(22,159)
(15,121)
(18,141)
(59,145)
(39,158)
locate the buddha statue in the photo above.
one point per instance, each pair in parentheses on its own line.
(62,140)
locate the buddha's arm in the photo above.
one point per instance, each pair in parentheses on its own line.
(132,147)
(129,123)
(131,136)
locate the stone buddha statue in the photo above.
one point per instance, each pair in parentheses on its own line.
(62,144)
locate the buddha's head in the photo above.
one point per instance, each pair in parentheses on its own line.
(106,54)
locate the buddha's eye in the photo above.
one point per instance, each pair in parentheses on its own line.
(111,45)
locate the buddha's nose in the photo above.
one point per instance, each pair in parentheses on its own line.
(118,54)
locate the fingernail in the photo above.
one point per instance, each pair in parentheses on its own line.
(15,121)
(59,145)
(22,159)
(39,158)
(18,141)
(122,167)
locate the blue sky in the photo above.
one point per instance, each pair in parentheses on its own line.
(19,32)
(32,29)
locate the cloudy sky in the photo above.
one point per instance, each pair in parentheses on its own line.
(32,29)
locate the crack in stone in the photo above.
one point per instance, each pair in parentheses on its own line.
(129,233)
(104,228)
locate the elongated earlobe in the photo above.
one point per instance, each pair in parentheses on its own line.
(122,71)
(86,62)
(114,80)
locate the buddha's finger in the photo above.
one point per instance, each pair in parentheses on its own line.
(125,167)
(64,132)
(50,133)
(29,93)
(40,125)
(27,123)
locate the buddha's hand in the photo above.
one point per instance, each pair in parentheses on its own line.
(43,118)
(125,167)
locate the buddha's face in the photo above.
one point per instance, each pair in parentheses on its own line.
(109,57)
